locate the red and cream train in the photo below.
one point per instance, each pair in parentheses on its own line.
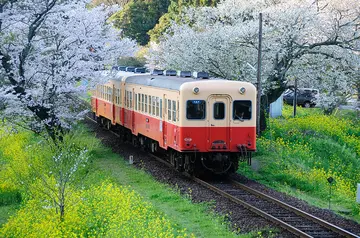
(202,124)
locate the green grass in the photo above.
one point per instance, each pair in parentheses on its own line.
(196,218)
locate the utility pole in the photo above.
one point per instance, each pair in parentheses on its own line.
(258,104)
(295,97)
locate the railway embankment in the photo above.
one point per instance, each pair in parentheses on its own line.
(314,157)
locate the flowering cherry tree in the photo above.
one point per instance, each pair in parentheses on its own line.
(46,48)
(314,41)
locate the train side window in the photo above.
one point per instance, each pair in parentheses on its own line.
(126,98)
(136,102)
(157,106)
(242,110)
(142,102)
(174,110)
(160,108)
(119,93)
(153,105)
(169,109)
(130,100)
(146,98)
(195,109)
(177,112)
(219,110)
(120,99)
(149,104)
(139,102)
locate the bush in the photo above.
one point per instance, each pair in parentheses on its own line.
(100,211)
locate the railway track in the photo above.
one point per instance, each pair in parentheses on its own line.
(290,218)
(294,220)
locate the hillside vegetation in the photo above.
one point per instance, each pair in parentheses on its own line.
(298,155)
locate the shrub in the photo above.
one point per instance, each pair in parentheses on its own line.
(100,211)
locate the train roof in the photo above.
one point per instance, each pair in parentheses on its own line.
(159,81)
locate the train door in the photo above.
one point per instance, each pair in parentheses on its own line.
(218,116)
(164,124)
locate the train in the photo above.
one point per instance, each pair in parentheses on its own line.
(201,124)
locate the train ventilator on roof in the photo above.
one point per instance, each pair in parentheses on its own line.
(184,74)
(122,68)
(202,75)
(170,72)
(140,70)
(157,72)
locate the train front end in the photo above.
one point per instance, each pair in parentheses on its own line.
(217,125)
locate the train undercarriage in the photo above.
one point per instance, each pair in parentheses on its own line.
(192,162)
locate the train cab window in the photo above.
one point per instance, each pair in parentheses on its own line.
(219,110)
(169,109)
(195,109)
(146,98)
(157,106)
(242,110)
(174,110)
(153,105)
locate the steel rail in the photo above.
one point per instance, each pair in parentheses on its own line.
(259,212)
(299,212)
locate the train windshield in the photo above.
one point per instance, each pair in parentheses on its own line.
(242,110)
(195,109)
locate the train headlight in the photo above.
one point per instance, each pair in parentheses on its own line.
(242,90)
(196,90)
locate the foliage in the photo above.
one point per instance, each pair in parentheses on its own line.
(121,3)
(138,17)
(313,41)
(313,146)
(131,61)
(103,203)
(46,47)
(47,168)
(105,210)
(174,14)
